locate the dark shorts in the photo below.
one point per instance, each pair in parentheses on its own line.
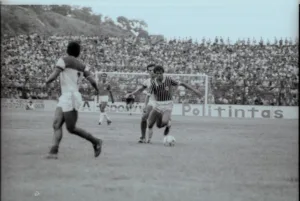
(129,100)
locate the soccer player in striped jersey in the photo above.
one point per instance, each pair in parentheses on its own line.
(104,92)
(146,84)
(71,72)
(162,89)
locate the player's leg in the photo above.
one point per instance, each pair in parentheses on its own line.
(130,106)
(145,116)
(57,127)
(102,110)
(159,121)
(104,104)
(71,120)
(165,118)
(153,116)
(127,104)
(166,121)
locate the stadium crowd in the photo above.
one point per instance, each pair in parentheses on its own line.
(246,72)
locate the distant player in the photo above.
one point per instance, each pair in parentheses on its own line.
(71,72)
(147,110)
(29,105)
(162,89)
(104,92)
(130,98)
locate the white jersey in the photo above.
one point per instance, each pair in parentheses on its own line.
(146,85)
(72,73)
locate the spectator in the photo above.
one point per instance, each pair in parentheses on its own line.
(242,73)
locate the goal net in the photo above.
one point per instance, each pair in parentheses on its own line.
(123,83)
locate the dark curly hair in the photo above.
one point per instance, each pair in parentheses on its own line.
(73,49)
(158,69)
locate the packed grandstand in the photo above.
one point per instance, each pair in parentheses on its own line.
(241,72)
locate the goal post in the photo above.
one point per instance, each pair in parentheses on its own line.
(123,83)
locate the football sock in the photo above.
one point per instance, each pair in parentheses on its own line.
(54,149)
(169,123)
(106,116)
(56,140)
(150,133)
(101,117)
(143,128)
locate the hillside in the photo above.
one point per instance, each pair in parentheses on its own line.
(19,20)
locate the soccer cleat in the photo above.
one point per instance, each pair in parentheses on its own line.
(52,156)
(109,122)
(98,148)
(52,153)
(142,140)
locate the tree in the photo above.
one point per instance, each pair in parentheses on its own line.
(95,19)
(63,10)
(86,10)
(108,20)
(124,23)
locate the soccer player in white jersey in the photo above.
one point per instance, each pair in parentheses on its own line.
(29,105)
(71,72)
(149,106)
(104,92)
(162,89)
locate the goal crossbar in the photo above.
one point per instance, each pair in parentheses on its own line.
(120,73)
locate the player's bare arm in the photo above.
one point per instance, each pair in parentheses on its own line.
(147,100)
(53,75)
(190,88)
(92,81)
(110,93)
(137,91)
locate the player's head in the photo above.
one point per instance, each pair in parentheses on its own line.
(159,72)
(150,69)
(73,49)
(103,77)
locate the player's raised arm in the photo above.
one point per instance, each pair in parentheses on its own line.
(176,83)
(60,66)
(138,90)
(190,88)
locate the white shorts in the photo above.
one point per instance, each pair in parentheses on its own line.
(103,99)
(70,101)
(162,106)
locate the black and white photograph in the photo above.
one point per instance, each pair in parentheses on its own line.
(149,100)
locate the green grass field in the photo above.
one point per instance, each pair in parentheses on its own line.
(213,160)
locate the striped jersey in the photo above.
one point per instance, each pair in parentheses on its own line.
(163,91)
(72,73)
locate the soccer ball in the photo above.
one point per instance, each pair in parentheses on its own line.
(169,140)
